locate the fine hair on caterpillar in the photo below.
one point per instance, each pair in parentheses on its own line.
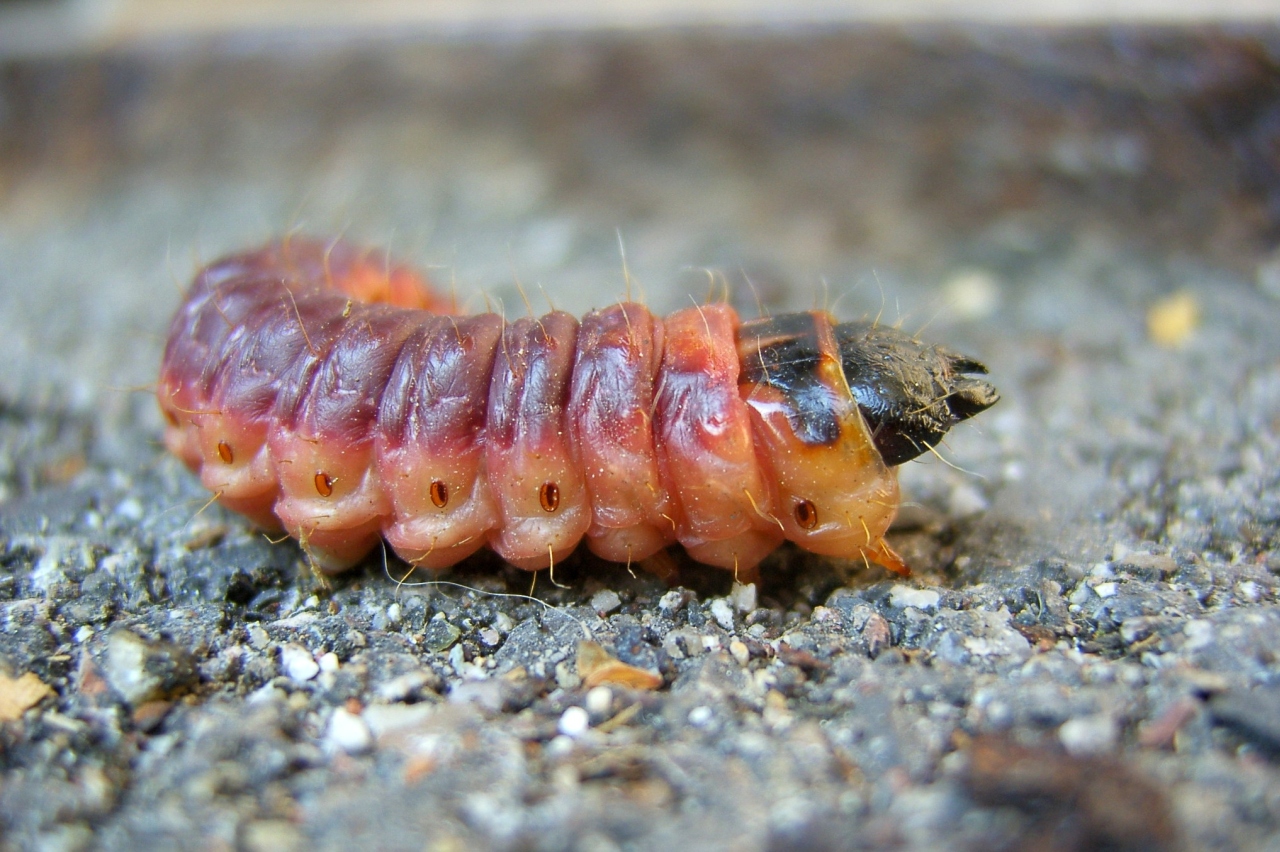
(323,390)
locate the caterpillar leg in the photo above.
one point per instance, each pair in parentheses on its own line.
(881,553)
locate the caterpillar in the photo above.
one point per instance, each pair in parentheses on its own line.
(320,389)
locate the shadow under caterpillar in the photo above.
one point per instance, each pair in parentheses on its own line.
(321,390)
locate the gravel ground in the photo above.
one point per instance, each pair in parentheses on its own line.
(1086,657)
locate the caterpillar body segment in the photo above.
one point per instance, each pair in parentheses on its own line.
(430,445)
(319,389)
(611,425)
(834,493)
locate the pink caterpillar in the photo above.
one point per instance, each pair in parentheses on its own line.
(319,389)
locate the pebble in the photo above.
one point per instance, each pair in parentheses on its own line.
(574,722)
(406,686)
(672,601)
(298,663)
(440,635)
(722,612)
(599,700)
(1106,590)
(605,601)
(140,670)
(258,638)
(701,716)
(1199,634)
(902,597)
(744,597)
(559,746)
(271,835)
(131,509)
(1250,591)
(349,732)
(329,662)
(877,634)
(740,652)
(1087,735)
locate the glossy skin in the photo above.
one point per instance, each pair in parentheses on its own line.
(319,389)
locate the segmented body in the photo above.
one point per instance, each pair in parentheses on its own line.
(319,389)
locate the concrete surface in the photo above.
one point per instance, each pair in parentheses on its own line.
(1086,657)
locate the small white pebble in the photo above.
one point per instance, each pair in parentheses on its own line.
(700,717)
(1102,571)
(1081,595)
(1199,634)
(1250,591)
(972,294)
(82,633)
(711,643)
(1087,735)
(722,612)
(329,662)
(574,722)
(298,663)
(559,746)
(1105,590)
(458,660)
(266,694)
(566,676)
(393,613)
(740,652)
(605,601)
(130,509)
(599,700)
(743,596)
(490,637)
(671,601)
(902,597)
(258,638)
(503,623)
(311,603)
(349,732)
(822,614)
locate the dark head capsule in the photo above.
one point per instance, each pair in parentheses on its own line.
(910,394)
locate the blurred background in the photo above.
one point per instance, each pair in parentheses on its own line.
(1020,183)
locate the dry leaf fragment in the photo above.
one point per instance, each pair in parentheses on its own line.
(596,666)
(19,696)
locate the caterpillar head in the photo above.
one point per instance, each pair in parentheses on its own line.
(910,394)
